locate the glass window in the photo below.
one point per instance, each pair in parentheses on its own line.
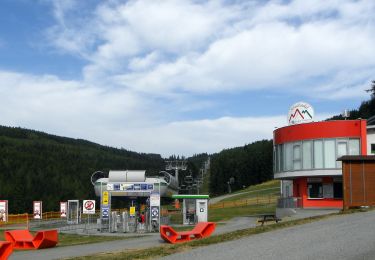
(354,147)
(315,190)
(306,153)
(288,164)
(372,148)
(341,151)
(329,154)
(281,159)
(341,148)
(314,154)
(274,159)
(297,157)
(328,190)
(318,154)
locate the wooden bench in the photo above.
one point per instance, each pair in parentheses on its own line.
(201,230)
(23,239)
(6,249)
(268,217)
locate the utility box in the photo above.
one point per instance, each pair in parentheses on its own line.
(194,209)
(201,210)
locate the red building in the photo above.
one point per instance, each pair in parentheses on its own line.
(305,159)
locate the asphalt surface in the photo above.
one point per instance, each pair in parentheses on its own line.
(341,237)
(146,241)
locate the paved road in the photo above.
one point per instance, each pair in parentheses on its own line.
(150,240)
(342,237)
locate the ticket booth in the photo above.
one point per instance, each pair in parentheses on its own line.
(194,208)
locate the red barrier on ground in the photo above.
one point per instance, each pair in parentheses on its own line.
(201,230)
(6,249)
(23,239)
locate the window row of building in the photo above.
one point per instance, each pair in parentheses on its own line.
(318,190)
(313,154)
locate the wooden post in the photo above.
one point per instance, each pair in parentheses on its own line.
(27,221)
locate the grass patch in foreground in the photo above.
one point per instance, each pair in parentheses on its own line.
(223,214)
(73,239)
(165,250)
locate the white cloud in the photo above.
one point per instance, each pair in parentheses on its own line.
(119,119)
(150,62)
(168,46)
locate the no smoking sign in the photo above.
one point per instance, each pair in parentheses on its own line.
(88,207)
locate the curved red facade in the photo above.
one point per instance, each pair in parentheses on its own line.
(306,179)
(326,129)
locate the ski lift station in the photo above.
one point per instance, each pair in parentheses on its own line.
(139,190)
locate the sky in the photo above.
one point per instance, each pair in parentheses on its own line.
(180,77)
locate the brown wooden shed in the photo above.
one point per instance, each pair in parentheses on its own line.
(358,174)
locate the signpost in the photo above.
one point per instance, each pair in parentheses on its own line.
(89,209)
(37,209)
(3,210)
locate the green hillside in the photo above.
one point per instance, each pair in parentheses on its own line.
(39,166)
(243,166)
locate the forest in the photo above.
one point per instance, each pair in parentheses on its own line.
(241,166)
(39,166)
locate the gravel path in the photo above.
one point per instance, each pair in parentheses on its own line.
(342,237)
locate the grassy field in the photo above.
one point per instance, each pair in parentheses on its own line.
(223,214)
(72,239)
(263,189)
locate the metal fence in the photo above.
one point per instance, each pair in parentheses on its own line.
(118,221)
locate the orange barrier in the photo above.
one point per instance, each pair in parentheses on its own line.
(201,230)
(6,249)
(23,239)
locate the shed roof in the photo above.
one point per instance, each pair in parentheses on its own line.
(357,158)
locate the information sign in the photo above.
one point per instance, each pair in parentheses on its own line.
(63,209)
(105,212)
(105,198)
(132,211)
(3,210)
(154,212)
(88,207)
(155,199)
(37,210)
